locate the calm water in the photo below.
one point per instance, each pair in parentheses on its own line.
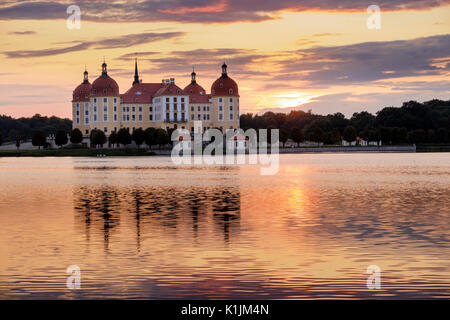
(143,228)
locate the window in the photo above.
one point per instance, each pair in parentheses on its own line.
(78,112)
(104,91)
(150,109)
(182,106)
(182,99)
(128,117)
(87,131)
(105,100)
(133,118)
(167,106)
(95,108)
(105,117)
(140,109)
(182,117)
(175,116)
(192,117)
(167,99)
(115,117)
(220,99)
(105,129)
(115,100)
(220,116)
(124,109)
(175,106)
(175,99)
(150,117)
(231,108)
(128,109)
(220,108)
(199,117)
(231,91)
(199,109)
(95,117)
(140,117)
(204,117)
(124,118)
(105,109)
(192,108)
(231,99)
(133,109)
(167,116)
(115,108)
(231,116)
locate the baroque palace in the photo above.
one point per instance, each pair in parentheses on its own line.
(160,105)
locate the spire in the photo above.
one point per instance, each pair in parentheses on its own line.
(104,70)
(85,78)
(193,76)
(224,70)
(136,75)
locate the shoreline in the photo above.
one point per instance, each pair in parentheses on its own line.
(165,152)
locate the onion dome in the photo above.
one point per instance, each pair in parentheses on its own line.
(81,93)
(194,88)
(225,86)
(104,85)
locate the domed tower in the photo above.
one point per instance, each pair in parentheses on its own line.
(80,104)
(105,103)
(225,101)
(194,88)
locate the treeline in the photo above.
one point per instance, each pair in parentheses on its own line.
(23,128)
(413,122)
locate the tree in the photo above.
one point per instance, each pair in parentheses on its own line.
(169,134)
(98,138)
(335,136)
(386,135)
(297,135)
(39,138)
(150,136)
(417,136)
(349,134)
(442,135)
(61,138)
(162,138)
(76,136)
(1,139)
(123,137)
(138,136)
(18,143)
(283,136)
(112,140)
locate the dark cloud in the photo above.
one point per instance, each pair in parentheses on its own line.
(22,33)
(364,62)
(195,11)
(124,41)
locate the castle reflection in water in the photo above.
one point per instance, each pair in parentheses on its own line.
(102,209)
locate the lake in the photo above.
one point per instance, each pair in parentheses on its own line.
(143,228)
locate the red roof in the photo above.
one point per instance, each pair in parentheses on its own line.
(225,86)
(141,93)
(169,89)
(104,86)
(81,93)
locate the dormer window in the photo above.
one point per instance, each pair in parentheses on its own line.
(221,85)
(231,91)
(104,90)
(138,93)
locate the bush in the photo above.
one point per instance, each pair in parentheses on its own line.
(76,136)
(123,137)
(39,138)
(61,138)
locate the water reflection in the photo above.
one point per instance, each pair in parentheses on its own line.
(102,207)
(142,228)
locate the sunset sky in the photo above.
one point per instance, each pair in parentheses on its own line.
(285,54)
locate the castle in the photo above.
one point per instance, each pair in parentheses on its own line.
(160,105)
